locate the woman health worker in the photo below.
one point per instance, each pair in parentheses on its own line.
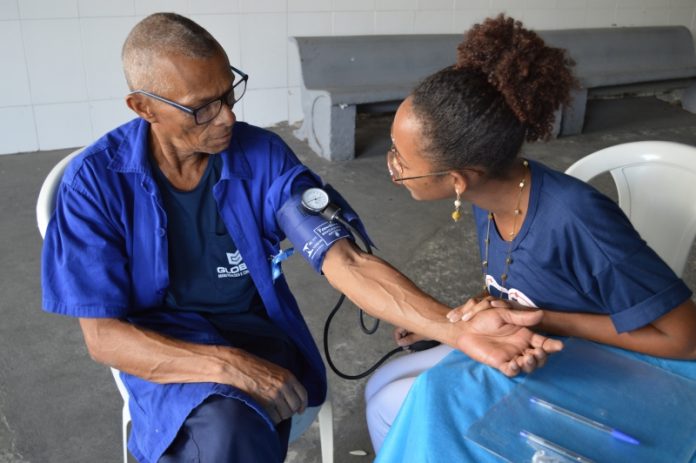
(547,240)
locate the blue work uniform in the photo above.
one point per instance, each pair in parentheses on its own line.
(106,255)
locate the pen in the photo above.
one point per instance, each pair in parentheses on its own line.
(586,421)
(548,445)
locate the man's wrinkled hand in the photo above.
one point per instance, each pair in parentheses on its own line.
(274,387)
(501,338)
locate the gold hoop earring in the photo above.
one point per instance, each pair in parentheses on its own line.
(457,214)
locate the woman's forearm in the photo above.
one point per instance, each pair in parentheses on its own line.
(673,335)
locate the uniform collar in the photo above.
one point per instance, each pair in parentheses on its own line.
(133,151)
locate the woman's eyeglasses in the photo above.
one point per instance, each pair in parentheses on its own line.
(396,170)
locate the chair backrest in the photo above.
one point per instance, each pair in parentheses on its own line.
(656,185)
(47,195)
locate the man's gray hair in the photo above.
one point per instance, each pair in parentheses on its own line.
(158,35)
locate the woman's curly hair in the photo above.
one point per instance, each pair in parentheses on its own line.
(504,88)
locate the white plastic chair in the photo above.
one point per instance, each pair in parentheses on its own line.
(45,204)
(656,184)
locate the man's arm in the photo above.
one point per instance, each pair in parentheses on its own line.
(498,339)
(161,359)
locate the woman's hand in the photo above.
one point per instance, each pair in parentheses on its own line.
(475,305)
(404,338)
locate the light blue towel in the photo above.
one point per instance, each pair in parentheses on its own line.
(446,400)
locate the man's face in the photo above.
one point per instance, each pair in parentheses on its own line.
(192,82)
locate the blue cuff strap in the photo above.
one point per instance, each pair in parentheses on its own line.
(311,234)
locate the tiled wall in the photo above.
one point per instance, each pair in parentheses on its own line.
(61,83)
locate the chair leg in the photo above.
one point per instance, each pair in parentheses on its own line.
(326,435)
(125,420)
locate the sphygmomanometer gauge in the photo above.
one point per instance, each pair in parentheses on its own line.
(315,200)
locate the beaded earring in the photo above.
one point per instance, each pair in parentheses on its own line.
(457,214)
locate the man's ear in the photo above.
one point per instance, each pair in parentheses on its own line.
(141,107)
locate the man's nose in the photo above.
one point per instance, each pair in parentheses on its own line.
(226,116)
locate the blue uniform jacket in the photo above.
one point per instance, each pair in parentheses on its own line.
(105,255)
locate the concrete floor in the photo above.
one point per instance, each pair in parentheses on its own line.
(56,405)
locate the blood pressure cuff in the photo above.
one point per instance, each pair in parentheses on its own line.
(311,234)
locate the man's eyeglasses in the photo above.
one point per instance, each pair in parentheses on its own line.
(209,111)
(396,170)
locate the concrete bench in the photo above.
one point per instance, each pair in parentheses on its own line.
(373,72)
(343,74)
(624,59)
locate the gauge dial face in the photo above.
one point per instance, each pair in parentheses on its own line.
(315,199)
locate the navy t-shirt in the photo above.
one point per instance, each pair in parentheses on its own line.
(206,271)
(578,252)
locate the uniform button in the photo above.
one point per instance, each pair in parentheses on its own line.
(162,231)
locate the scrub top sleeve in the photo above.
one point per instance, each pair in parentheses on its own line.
(84,266)
(640,289)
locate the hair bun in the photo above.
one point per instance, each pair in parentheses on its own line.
(533,78)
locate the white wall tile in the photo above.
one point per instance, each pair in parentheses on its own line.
(601,4)
(295,113)
(353,5)
(213,6)
(433,22)
(263,6)
(54,60)
(102,39)
(147,7)
(642,3)
(472,4)
(397,5)
(354,23)
(503,5)
(266,107)
(309,5)
(17,130)
(394,22)
(560,19)
(8,10)
(294,66)
(599,17)
(106,115)
(304,24)
(681,16)
(435,4)
(63,125)
(572,4)
(264,57)
(463,20)
(92,8)
(14,90)
(47,9)
(539,4)
(642,16)
(225,29)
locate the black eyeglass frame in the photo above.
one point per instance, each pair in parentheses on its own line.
(195,111)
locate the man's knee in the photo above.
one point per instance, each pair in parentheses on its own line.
(224,429)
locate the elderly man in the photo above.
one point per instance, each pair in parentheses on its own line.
(160,245)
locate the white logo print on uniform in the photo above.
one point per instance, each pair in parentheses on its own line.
(237,268)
